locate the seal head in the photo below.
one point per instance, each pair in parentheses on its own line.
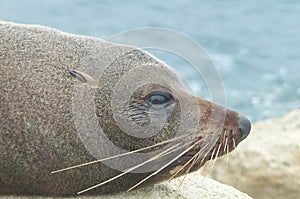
(82,115)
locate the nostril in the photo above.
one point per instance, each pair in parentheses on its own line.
(245,127)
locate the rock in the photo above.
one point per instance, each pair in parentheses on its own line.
(193,186)
(267,164)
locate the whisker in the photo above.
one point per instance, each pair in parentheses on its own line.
(206,169)
(194,159)
(227,152)
(122,154)
(213,144)
(225,133)
(159,170)
(133,168)
(210,160)
(234,145)
(226,142)
(215,159)
(212,155)
(210,163)
(197,158)
(194,162)
(218,151)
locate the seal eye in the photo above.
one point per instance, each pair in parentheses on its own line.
(159,98)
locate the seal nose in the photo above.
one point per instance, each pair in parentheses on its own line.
(245,127)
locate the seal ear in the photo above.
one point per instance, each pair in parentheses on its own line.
(83,77)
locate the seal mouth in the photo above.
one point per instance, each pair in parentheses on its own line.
(209,148)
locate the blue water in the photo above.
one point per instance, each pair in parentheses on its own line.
(254,44)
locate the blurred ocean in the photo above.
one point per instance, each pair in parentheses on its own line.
(254,44)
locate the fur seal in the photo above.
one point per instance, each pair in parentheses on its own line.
(82,115)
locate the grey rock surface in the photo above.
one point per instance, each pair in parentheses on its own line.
(192,186)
